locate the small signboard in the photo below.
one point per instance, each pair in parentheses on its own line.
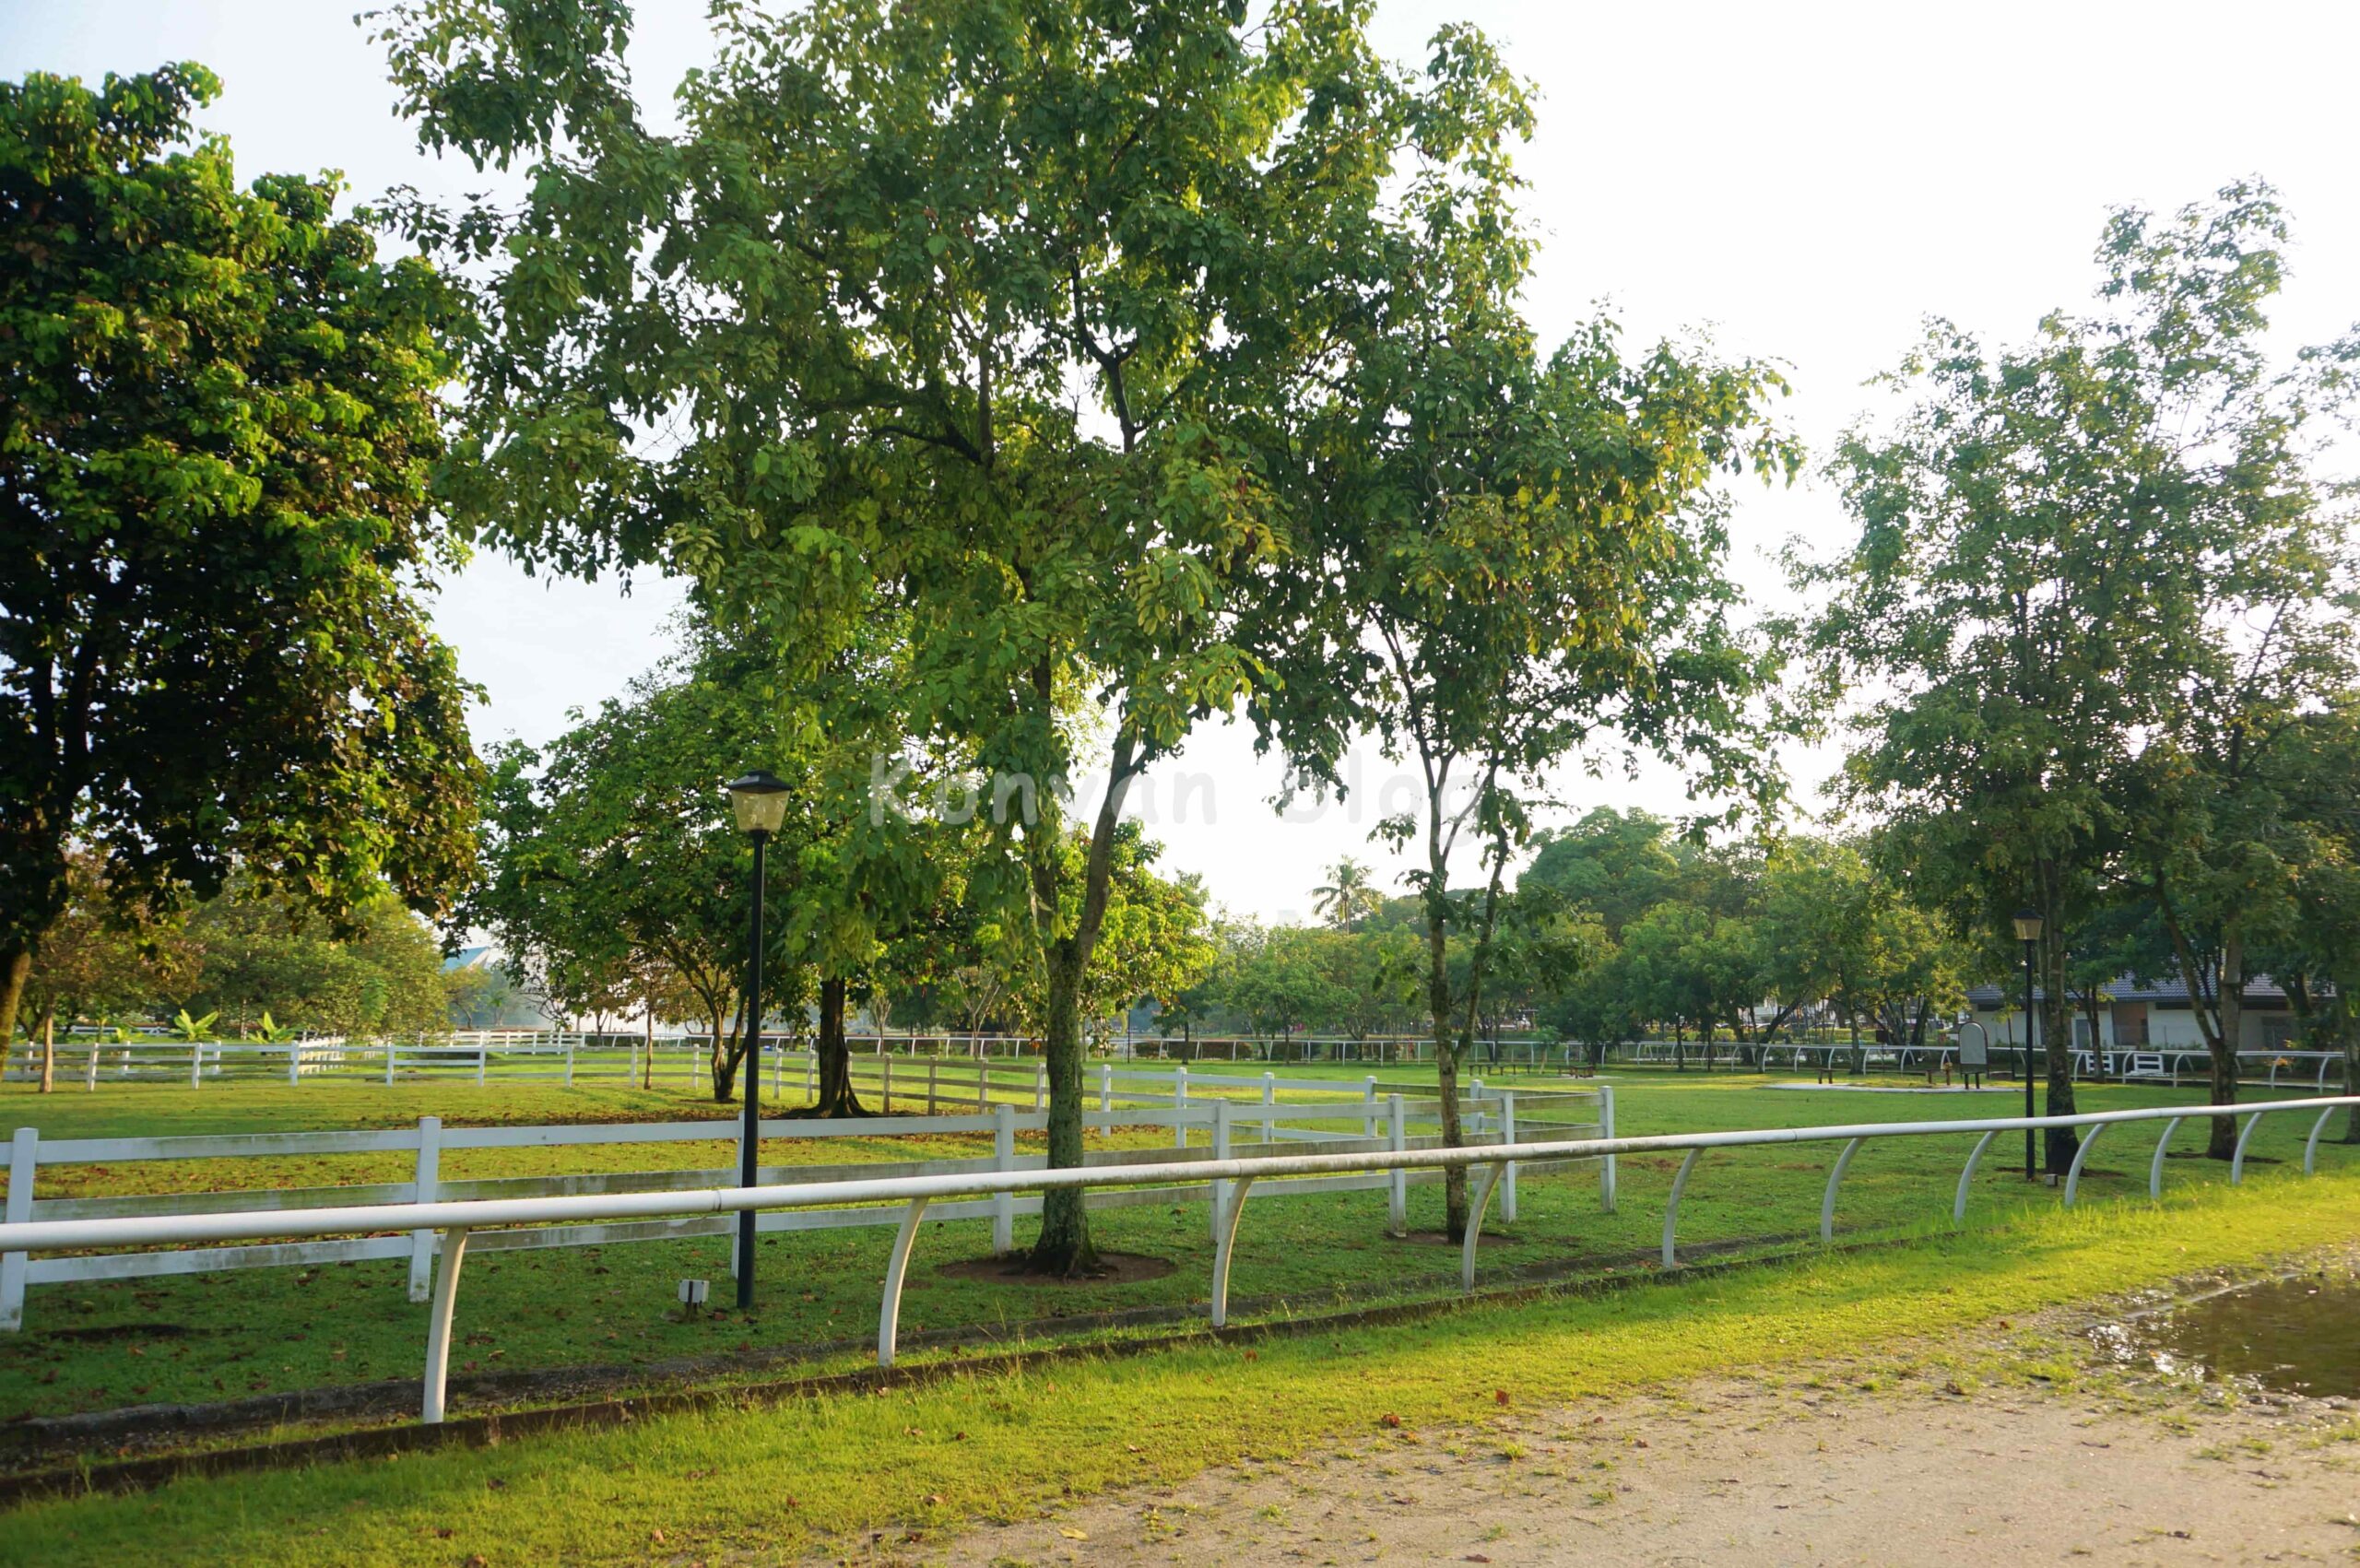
(1974,1045)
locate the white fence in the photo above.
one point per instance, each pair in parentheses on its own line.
(2126,1064)
(1203,1129)
(549,1056)
(1230,1180)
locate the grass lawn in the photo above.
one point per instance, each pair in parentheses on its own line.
(774,1481)
(208,1336)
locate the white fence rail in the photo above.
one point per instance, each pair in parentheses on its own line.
(1203,1128)
(1230,1179)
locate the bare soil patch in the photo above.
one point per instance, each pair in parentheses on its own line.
(1113,1269)
(1442,1239)
(1879,1462)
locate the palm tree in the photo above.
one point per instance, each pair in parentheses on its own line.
(1348,896)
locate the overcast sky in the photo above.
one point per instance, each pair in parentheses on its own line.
(1807,183)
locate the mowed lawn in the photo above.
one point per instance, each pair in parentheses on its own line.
(774,1483)
(210,1337)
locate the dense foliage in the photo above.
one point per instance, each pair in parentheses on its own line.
(217,415)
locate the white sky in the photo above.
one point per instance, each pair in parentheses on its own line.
(1808,182)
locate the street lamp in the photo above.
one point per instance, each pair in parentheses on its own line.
(2028,933)
(759,802)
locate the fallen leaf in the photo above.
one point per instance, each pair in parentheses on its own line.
(1500,1396)
(1388,1419)
(1071,1534)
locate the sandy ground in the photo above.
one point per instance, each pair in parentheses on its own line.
(1885,1465)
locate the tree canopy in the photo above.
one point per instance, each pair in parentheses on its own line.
(217,410)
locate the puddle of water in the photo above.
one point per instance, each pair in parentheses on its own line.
(2297,1336)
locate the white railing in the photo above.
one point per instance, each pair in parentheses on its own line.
(1229,1181)
(1219,1127)
(2123,1062)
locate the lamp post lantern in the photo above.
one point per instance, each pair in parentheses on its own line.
(757,801)
(2028,932)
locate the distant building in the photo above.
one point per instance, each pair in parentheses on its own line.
(2144,1015)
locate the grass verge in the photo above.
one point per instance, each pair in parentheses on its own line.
(774,1481)
(217,1337)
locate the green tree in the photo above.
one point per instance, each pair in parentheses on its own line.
(1348,896)
(1517,561)
(1619,865)
(101,957)
(970,312)
(2055,543)
(614,847)
(217,414)
(263,950)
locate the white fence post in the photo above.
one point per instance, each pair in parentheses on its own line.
(294,1065)
(1368,1106)
(1397,1203)
(1219,1204)
(1270,1095)
(483,1061)
(1003,1159)
(1106,1097)
(19,1210)
(1507,1167)
(390,1049)
(1179,1104)
(90,1079)
(1606,1129)
(195,1063)
(425,1184)
(569,1060)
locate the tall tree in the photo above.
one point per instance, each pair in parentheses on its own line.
(1347,895)
(217,413)
(2055,543)
(1508,559)
(613,847)
(966,310)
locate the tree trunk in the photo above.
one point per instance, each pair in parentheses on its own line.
(2351,1071)
(1065,1248)
(2229,996)
(723,1063)
(2216,1023)
(16,968)
(835,1090)
(48,1049)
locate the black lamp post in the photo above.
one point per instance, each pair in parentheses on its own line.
(2028,933)
(759,802)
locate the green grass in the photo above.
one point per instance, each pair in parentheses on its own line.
(776,1481)
(267,1330)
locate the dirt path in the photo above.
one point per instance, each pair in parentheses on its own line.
(1888,1464)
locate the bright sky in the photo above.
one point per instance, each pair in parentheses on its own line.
(1809,182)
